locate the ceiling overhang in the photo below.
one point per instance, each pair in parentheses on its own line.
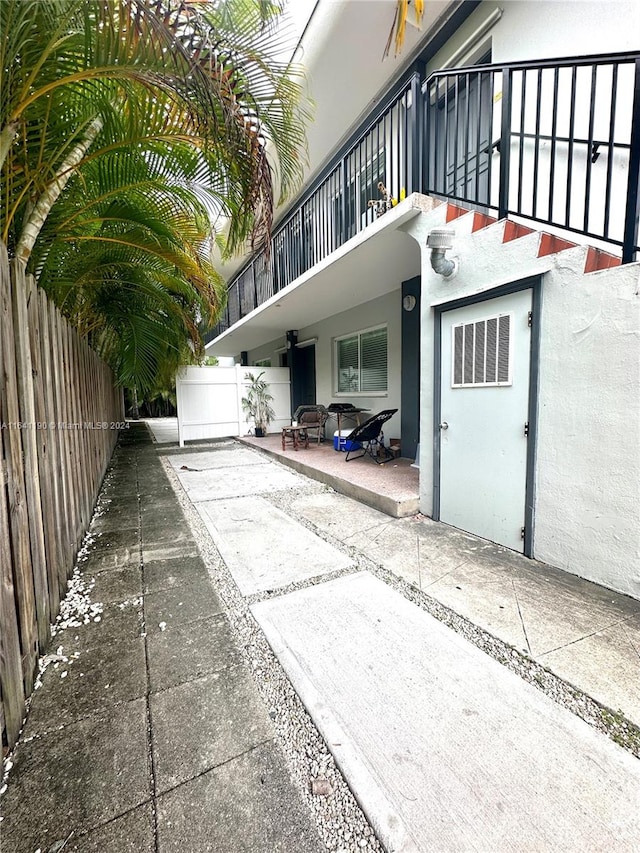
(374,262)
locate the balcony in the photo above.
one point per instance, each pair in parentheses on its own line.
(555,143)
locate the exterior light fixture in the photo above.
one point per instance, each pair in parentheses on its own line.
(440,240)
(409,302)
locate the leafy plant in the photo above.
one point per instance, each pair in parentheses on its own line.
(126,128)
(257,403)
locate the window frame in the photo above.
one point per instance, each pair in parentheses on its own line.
(336,363)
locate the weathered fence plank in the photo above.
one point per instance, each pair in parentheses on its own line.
(44,443)
(61,456)
(11,678)
(24,370)
(18,517)
(53,465)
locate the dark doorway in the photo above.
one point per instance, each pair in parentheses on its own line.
(306,379)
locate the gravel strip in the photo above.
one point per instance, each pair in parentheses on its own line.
(341,822)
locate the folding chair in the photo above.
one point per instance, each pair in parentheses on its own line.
(369,436)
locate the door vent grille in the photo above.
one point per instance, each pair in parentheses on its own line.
(481,353)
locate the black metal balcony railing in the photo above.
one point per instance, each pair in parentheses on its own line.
(556,142)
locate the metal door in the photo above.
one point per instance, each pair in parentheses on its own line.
(484,417)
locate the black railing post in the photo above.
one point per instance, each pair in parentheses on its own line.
(253,283)
(415,182)
(301,268)
(505,145)
(632,214)
(343,202)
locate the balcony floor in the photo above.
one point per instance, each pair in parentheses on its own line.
(393,488)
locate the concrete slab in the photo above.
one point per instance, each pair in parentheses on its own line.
(393,543)
(163,430)
(225,457)
(248,804)
(168,516)
(212,484)
(152,483)
(169,551)
(250,534)
(343,517)
(122,514)
(437,760)
(176,533)
(164,574)
(391,488)
(131,833)
(591,661)
(74,779)
(531,606)
(149,504)
(203,723)
(88,684)
(115,558)
(157,489)
(483,596)
(124,487)
(180,605)
(116,624)
(112,540)
(119,584)
(186,652)
(558,614)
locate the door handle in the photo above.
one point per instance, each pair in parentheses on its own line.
(444,425)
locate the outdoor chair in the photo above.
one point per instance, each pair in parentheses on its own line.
(368,439)
(313,418)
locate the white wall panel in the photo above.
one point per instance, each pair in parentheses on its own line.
(209,400)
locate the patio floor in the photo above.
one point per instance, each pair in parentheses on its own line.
(392,488)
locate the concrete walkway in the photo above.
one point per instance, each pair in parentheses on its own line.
(140,738)
(149,733)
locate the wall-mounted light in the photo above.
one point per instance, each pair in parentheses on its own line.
(309,342)
(409,302)
(440,240)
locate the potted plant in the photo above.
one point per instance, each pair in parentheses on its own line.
(257,403)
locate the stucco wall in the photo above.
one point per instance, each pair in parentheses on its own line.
(548,29)
(587,473)
(385,310)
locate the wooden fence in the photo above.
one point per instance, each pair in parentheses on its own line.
(59,415)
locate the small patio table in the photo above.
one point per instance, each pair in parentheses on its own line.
(350,414)
(293,436)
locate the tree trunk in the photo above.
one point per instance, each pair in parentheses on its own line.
(49,197)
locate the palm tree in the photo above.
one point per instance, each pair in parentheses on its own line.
(123,126)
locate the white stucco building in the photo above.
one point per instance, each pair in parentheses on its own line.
(518,375)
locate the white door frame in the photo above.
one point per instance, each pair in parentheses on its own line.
(534,284)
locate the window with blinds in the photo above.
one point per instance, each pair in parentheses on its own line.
(481,353)
(361,361)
